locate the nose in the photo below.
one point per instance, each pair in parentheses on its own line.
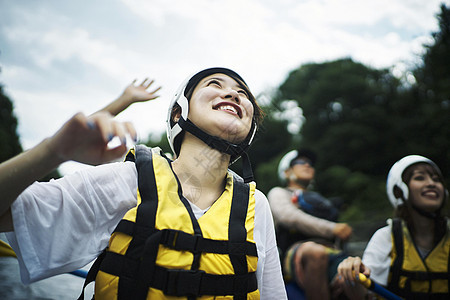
(231,94)
(430,181)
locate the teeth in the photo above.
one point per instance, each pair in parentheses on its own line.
(229,108)
(430,193)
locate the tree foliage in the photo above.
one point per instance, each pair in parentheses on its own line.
(432,93)
(10,145)
(360,120)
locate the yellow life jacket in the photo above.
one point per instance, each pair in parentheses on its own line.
(412,277)
(161,251)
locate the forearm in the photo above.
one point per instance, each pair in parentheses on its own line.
(306,223)
(117,106)
(286,213)
(17,173)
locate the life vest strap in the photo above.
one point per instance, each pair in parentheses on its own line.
(175,282)
(424,276)
(119,265)
(133,229)
(92,273)
(397,232)
(180,240)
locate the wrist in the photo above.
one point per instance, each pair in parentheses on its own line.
(125,100)
(50,154)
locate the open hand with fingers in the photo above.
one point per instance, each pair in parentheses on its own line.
(346,279)
(132,93)
(140,93)
(85,139)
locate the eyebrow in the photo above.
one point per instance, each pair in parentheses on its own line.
(223,80)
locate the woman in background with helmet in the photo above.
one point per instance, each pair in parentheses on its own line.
(411,255)
(198,230)
(306,227)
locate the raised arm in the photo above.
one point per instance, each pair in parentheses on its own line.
(132,93)
(83,139)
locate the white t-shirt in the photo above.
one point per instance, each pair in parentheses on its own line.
(62,225)
(377,255)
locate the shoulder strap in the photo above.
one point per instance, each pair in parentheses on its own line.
(237,233)
(93,271)
(397,234)
(135,285)
(90,277)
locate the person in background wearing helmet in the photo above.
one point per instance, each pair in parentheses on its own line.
(186,228)
(411,255)
(306,227)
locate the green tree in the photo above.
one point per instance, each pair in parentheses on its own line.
(347,107)
(272,139)
(10,145)
(431,93)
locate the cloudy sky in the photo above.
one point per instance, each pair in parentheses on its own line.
(60,57)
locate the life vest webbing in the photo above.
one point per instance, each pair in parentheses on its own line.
(182,282)
(198,282)
(180,240)
(397,232)
(92,273)
(421,275)
(237,233)
(136,285)
(197,230)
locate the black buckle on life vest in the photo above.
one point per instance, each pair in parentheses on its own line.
(169,237)
(180,240)
(183,282)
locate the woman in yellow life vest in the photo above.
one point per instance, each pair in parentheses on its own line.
(186,228)
(411,255)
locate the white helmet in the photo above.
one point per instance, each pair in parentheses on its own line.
(285,163)
(175,129)
(394,178)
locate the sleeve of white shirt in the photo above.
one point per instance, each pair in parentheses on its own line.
(268,272)
(288,214)
(377,255)
(62,225)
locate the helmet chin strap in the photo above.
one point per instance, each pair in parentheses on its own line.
(235,150)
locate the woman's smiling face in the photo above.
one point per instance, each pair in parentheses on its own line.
(221,107)
(426,190)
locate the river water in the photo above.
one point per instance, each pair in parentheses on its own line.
(65,286)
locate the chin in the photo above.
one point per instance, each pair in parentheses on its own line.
(233,135)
